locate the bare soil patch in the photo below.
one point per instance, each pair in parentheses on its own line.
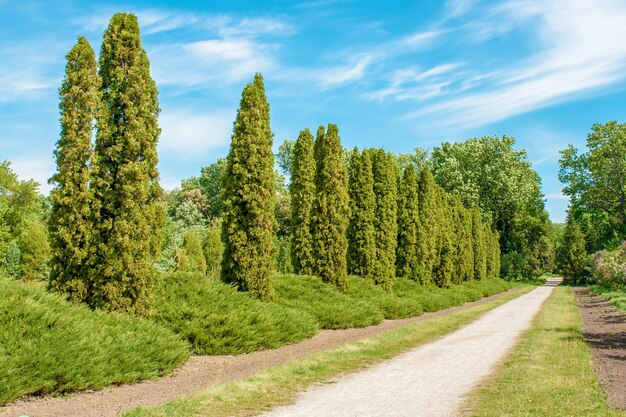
(604,329)
(201,372)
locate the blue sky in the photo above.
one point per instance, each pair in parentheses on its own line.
(396,74)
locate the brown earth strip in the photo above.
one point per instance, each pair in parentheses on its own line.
(201,372)
(604,329)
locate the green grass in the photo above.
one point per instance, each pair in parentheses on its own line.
(616,297)
(48,345)
(217,319)
(280,385)
(549,373)
(392,306)
(331,308)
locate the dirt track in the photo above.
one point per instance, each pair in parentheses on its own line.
(431,380)
(199,373)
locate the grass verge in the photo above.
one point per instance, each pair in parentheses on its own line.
(279,385)
(48,345)
(549,372)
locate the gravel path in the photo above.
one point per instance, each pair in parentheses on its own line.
(201,372)
(431,380)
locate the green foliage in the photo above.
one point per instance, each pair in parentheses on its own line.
(210,181)
(478,244)
(12,259)
(283,261)
(609,268)
(385,219)
(50,346)
(572,260)
(330,209)
(282,208)
(595,184)
(361,231)
(212,247)
(193,254)
(19,203)
(35,251)
(491,174)
(428,230)
(287,154)
(218,320)
(332,308)
(392,306)
(407,258)
(302,189)
(128,217)
(72,200)
(249,194)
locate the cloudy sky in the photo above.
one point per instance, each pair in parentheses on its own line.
(395,74)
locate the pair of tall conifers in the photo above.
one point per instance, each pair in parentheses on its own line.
(105,221)
(248,224)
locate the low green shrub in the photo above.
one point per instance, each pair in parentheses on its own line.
(332,309)
(48,345)
(392,306)
(217,319)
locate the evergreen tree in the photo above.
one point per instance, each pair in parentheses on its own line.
(125,178)
(302,190)
(71,198)
(330,210)
(444,270)
(497,254)
(478,239)
(249,192)
(386,217)
(572,259)
(428,226)
(462,242)
(192,247)
(490,261)
(361,232)
(407,259)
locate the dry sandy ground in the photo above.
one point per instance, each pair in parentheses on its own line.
(199,373)
(431,380)
(605,332)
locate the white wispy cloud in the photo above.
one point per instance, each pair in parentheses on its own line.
(189,134)
(582,51)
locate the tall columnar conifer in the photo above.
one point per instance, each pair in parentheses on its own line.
(480,253)
(71,197)
(428,226)
(444,270)
(490,261)
(462,242)
(302,189)
(330,211)
(386,218)
(407,259)
(361,232)
(125,176)
(249,193)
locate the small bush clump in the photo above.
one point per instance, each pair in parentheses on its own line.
(332,309)
(218,320)
(392,306)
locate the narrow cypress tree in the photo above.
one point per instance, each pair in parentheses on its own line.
(457,240)
(330,211)
(125,176)
(478,239)
(407,259)
(490,263)
(302,189)
(248,220)
(361,232)
(444,270)
(386,218)
(466,244)
(71,198)
(194,256)
(498,263)
(428,226)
